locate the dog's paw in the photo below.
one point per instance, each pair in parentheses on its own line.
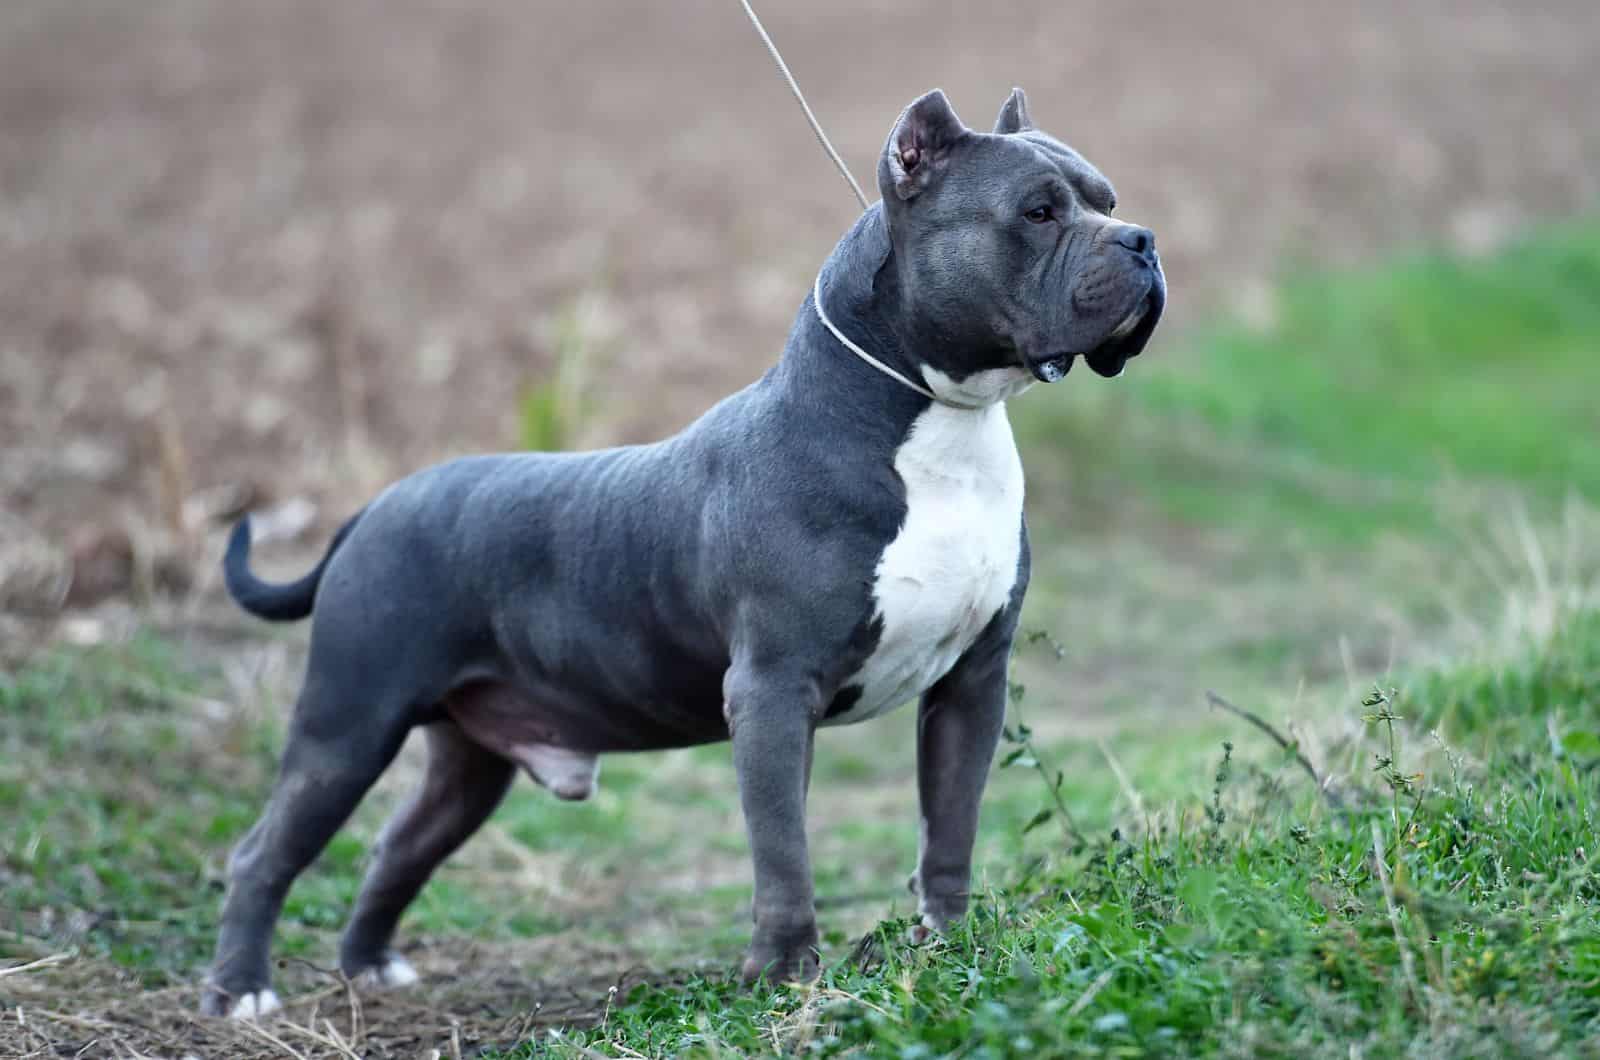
(787,957)
(791,968)
(238,1004)
(255,1005)
(392,973)
(251,1005)
(931,926)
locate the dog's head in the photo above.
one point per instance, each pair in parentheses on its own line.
(1006,251)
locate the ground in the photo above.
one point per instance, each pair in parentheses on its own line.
(288,253)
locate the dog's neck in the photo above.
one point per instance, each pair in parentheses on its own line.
(867,318)
(819,305)
(861,289)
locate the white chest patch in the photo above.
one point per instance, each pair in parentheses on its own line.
(954,562)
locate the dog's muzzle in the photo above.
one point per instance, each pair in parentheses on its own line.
(1124,342)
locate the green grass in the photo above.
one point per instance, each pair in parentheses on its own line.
(122,789)
(1365,392)
(1475,367)
(1456,913)
(1241,914)
(91,749)
(1261,506)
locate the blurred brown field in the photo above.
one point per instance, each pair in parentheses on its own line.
(303,248)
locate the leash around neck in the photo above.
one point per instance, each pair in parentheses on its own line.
(816,288)
(844,340)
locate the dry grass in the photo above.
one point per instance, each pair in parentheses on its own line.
(477,995)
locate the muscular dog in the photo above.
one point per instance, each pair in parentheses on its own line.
(841,537)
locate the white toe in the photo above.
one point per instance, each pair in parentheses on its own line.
(255,1005)
(392,973)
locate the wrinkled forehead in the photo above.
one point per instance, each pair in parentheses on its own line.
(1027,158)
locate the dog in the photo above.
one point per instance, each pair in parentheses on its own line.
(839,538)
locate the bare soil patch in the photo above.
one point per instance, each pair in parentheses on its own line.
(474,997)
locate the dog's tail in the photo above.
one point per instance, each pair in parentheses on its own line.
(275,602)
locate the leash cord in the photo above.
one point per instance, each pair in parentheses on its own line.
(844,170)
(816,302)
(816,127)
(844,340)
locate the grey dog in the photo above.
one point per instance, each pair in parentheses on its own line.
(841,537)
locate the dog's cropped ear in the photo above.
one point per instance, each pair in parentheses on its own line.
(1014,114)
(918,146)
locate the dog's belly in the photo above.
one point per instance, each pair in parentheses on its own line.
(556,734)
(953,565)
(497,717)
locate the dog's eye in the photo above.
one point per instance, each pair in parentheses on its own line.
(1040,214)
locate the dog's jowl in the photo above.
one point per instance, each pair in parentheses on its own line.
(841,537)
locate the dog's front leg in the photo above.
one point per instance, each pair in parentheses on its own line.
(770,720)
(958,728)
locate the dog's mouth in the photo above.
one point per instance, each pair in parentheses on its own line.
(1124,342)
(1052,369)
(1130,321)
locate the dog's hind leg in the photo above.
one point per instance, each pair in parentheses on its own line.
(463,784)
(335,751)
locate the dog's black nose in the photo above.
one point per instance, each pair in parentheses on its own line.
(1141,241)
